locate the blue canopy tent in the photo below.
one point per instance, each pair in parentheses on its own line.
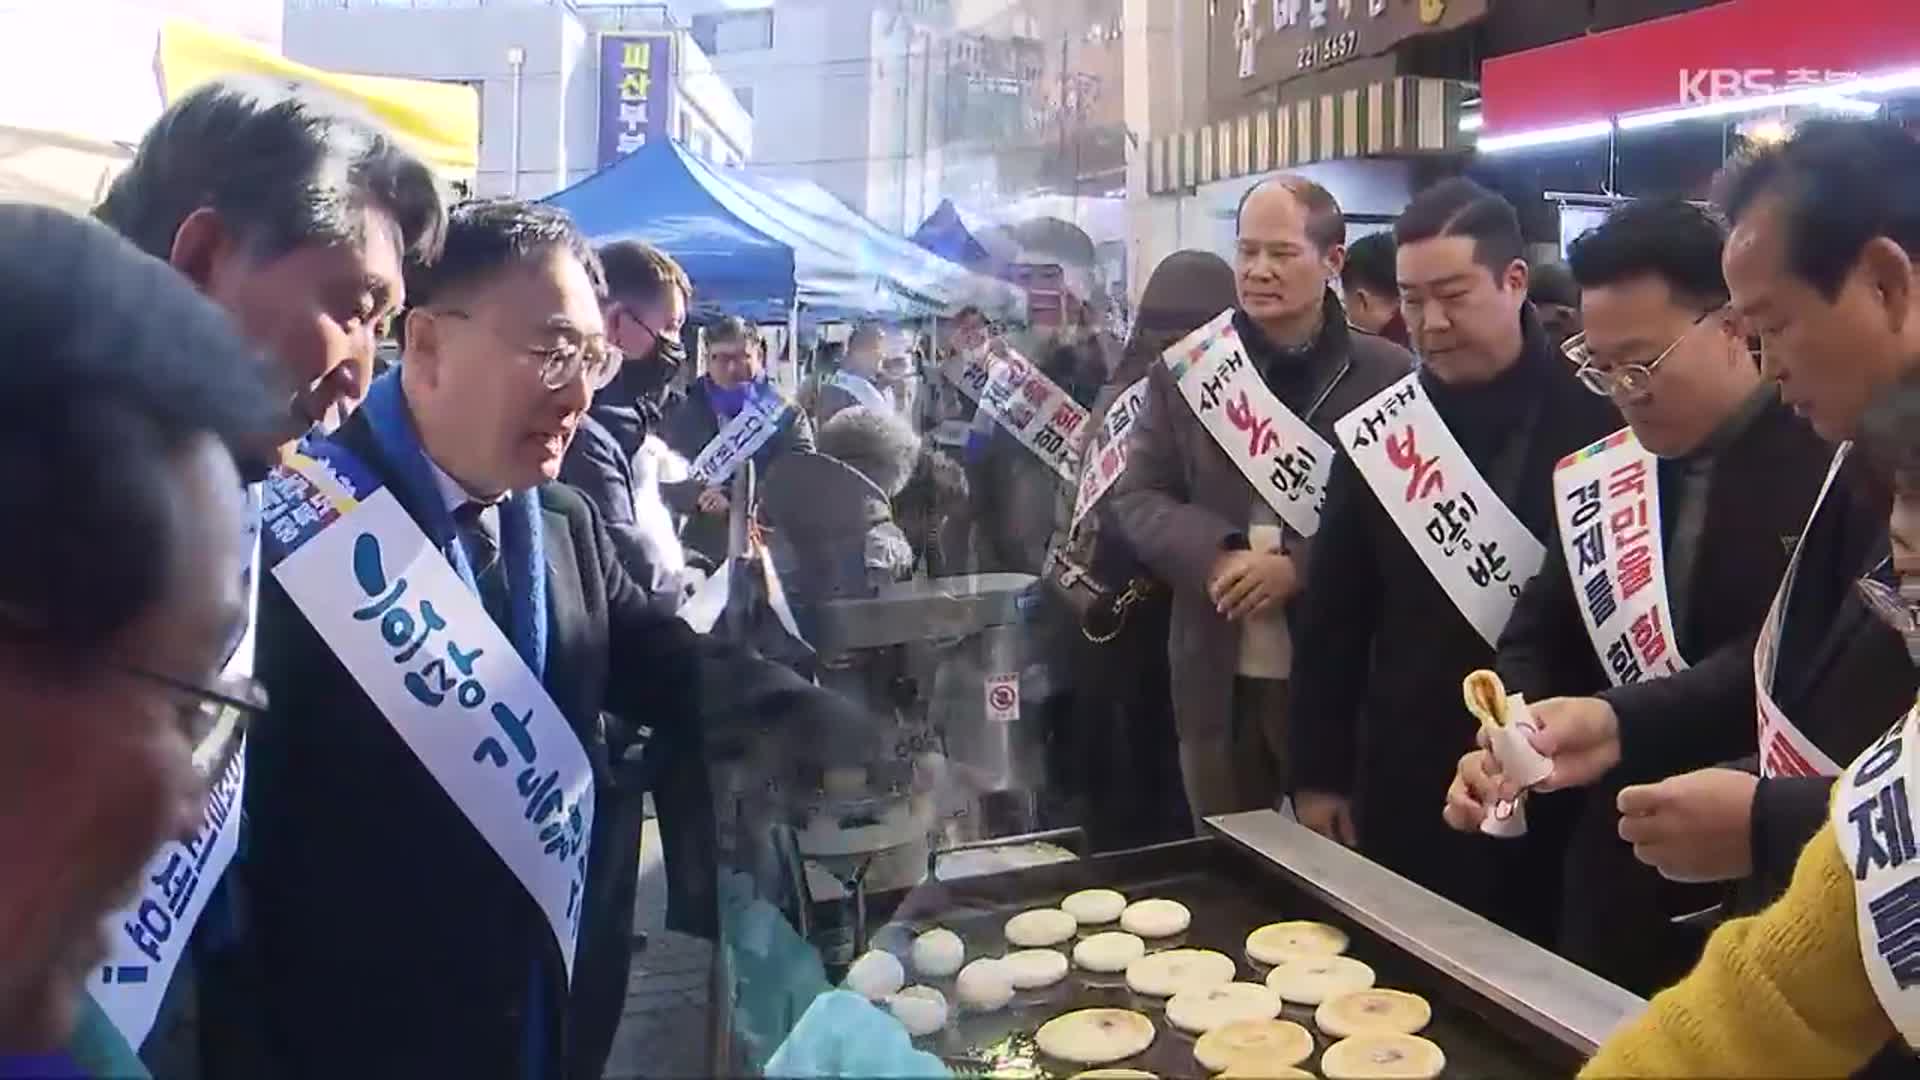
(946,234)
(745,256)
(651,195)
(936,281)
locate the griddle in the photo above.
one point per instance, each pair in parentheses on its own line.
(1502,1007)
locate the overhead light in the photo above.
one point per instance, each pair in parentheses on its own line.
(1495,144)
(1843,96)
(1472,121)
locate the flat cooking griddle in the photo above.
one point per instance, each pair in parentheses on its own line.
(1502,1008)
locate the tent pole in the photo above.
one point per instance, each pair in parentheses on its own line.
(793,347)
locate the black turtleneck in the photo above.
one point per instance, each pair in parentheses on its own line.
(1298,373)
(1487,417)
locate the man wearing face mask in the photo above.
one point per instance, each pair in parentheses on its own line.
(1436,516)
(1201,512)
(610,460)
(736,378)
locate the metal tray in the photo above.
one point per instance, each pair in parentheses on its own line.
(1491,1022)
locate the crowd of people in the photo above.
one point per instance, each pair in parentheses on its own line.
(291,799)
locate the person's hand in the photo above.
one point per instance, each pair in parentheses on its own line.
(1694,827)
(1247,583)
(1582,737)
(1477,785)
(1328,814)
(712,501)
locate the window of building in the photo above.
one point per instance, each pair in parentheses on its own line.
(725,32)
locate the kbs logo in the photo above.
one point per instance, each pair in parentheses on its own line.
(1702,86)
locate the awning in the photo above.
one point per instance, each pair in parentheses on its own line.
(1730,50)
(438,121)
(1400,116)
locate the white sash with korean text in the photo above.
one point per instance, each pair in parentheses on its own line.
(1104,467)
(863,391)
(758,421)
(145,941)
(1785,750)
(1471,543)
(1010,390)
(1286,461)
(426,653)
(1872,819)
(1607,498)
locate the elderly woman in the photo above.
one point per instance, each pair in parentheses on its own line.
(126,404)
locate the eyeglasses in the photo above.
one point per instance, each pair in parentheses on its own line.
(560,365)
(667,346)
(1631,382)
(213,717)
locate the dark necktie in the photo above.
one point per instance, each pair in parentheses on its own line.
(478,526)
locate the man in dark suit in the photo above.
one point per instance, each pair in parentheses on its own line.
(397,937)
(1820,266)
(1383,638)
(1189,511)
(647,298)
(1735,479)
(736,370)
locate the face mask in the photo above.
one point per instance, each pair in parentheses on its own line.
(728,401)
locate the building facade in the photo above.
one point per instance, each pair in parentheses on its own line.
(546,104)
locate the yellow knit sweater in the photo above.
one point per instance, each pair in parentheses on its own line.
(1780,994)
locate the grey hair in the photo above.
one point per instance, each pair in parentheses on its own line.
(882,447)
(283,165)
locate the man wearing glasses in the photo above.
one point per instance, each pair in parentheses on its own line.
(1727,476)
(126,402)
(612,461)
(444,628)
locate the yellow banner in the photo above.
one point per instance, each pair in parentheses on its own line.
(438,121)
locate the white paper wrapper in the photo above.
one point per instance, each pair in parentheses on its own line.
(1519,761)
(1506,820)
(1514,751)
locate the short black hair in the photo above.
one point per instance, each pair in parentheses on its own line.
(1326,223)
(1840,183)
(282,164)
(1670,238)
(1461,207)
(639,273)
(110,363)
(729,328)
(487,236)
(1370,266)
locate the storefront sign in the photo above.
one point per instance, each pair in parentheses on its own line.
(1258,43)
(1740,48)
(636,92)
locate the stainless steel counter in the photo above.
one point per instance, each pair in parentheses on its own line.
(1563,1001)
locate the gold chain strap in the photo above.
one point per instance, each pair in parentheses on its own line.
(1137,590)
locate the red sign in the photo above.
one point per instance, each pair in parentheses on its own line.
(1734,49)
